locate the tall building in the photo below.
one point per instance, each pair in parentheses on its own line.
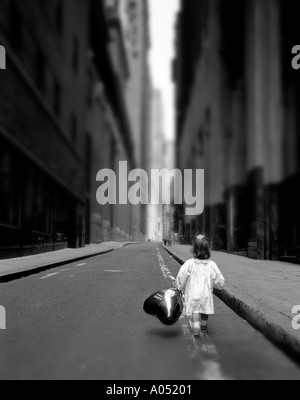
(109,135)
(42,125)
(135,21)
(68,105)
(168,210)
(160,217)
(157,156)
(237,102)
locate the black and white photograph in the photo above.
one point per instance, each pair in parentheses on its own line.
(149,193)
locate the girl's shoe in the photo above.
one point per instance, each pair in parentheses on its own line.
(204,329)
(196,329)
(197,333)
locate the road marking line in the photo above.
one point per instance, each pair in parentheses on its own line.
(113,272)
(54,274)
(210,368)
(81,265)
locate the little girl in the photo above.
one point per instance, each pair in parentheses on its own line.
(197,278)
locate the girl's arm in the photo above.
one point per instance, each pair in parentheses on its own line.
(218,278)
(183,276)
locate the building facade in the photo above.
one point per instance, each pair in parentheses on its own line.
(64,115)
(237,97)
(168,210)
(42,125)
(109,133)
(135,22)
(157,161)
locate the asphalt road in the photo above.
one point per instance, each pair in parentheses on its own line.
(86,321)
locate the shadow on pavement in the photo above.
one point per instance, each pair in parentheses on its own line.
(165,334)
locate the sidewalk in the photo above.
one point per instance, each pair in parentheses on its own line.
(262,292)
(17,267)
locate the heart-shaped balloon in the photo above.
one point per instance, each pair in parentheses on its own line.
(166,305)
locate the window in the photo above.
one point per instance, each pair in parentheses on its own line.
(9,194)
(40,70)
(88,157)
(208,118)
(132,13)
(15,25)
(42,206)
(59,16)
(201,142)
(74,129)
(57,99)
(75,56)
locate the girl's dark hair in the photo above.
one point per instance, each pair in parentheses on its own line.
(201,248)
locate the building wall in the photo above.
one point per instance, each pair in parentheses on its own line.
(135,23)
(156,161)
(99,140)
(108,129)
(42,125)
(118,119)
(234,123)
(64,115)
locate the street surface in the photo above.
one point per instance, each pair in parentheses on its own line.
(86,321)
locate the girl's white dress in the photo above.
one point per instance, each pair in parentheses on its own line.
(197,278)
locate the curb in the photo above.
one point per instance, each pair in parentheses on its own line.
(257,319)
(36,270)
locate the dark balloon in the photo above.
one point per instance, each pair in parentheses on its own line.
(166,305)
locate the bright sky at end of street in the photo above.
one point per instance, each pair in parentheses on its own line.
(163,15)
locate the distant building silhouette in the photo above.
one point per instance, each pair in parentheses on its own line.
(157,161)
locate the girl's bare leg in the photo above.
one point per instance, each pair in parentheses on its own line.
(196,324)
